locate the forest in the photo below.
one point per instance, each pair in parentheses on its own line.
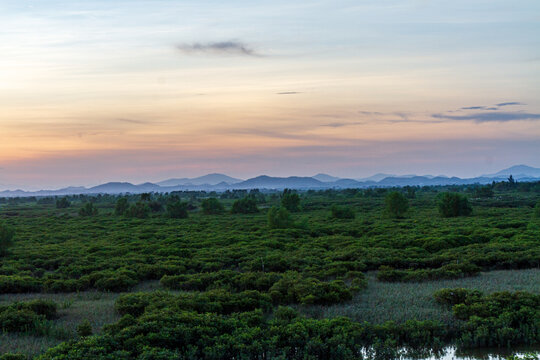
(378,273)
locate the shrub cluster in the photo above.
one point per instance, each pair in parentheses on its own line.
(498,319)
(450,271)
(26,316)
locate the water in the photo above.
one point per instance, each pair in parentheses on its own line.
(452,353)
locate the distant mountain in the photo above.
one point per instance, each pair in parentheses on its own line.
(518,172)
(210,179)
(376,177)
(325,178)
(268,182)
(220,182)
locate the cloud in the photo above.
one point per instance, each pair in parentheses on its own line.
(288,93)
(490,117)
(218,48)
(473,108)
(510,103)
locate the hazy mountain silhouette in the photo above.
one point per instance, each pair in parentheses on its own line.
(221,182)
(210,179)
(518,172)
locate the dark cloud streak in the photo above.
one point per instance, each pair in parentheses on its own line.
(218,48)
(490,117)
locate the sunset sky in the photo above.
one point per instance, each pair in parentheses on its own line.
(94,91)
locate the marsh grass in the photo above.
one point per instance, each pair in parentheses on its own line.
(73,308)
(399,302)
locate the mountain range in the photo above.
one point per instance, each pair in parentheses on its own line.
(221,182)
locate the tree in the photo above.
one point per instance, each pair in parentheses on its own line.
(6,237)
(121,206)
(279,218)
(290,200)
(177,210)
(62,203)
(396,204)
(138,210)
(146,196)
(246,205)
(88,210)
(511,180)
(212,206)
(454,204)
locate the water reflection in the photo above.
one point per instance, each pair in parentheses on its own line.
(450,353)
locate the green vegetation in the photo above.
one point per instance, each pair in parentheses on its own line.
(88,209)
(453,204)
(396,204)
(6,238)
(247,205)
(279,218)
(185,275)
(212,206)
(341,212)
(290,200)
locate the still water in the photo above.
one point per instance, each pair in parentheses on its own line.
(451,353)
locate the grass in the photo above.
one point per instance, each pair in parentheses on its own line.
(97,307)
(399,302)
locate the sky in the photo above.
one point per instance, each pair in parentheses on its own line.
(110,90)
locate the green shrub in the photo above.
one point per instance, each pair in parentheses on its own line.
(177,210)
(290,200)
(18,320)
(18,284)
(115,283)
(13,357)
(246,205)
(88,209)
(279,218)
(6,237)
(139,210)
(121,206)
(537,209)
(338,212)
(396,204)
(212,206)
(62,203)
(454,204)
(84,329)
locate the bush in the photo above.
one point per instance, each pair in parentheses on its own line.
(396,204)
(537,209)
(62,203)
(290,200)
(13,357)
(212,206)
(246,205)
(177,210)
(88,209)
(337,212)
(18,320)
(121,207)
(279,218)
(6,237)
(139,210)
(115,283)
(18,284)
(454,204)
(84,329)
(43,307)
